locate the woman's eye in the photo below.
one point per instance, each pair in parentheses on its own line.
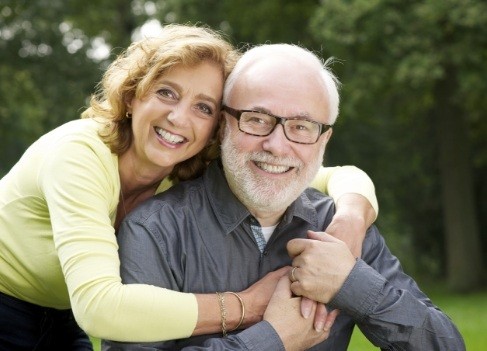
(205,109)
(167,93)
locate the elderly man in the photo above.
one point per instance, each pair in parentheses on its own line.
(252,213)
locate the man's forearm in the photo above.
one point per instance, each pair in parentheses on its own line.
(390,316)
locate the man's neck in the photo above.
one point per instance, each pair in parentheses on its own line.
(267,219)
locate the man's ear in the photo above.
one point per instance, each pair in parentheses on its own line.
(326,138)
(221,127)
(328,134)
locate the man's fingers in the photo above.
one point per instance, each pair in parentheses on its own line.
(306,307)
(324,320)
(296,246)
(330,319)
(320,317)
(322,236)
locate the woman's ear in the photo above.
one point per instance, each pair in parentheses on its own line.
(128,103)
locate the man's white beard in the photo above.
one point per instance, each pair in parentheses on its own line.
(259,192)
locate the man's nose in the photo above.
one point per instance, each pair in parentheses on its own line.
(276,142)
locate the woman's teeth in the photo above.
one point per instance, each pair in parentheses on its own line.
(171,138)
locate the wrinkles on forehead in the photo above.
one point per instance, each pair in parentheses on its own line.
(282,86)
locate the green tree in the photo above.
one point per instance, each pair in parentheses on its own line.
(250,21)
(46,71)
(412,73)
(44,81)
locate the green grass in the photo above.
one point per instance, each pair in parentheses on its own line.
(96,344)
(468,312)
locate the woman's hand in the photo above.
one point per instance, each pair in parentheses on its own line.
(257,296)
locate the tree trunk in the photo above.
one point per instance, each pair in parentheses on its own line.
(463,250)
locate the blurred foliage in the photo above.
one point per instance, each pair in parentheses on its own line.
(251,21)
(406,67)
(391,56)
(42,84)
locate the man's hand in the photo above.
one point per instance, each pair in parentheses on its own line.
(354,214)
(283,313)
(323,264)
(323,319)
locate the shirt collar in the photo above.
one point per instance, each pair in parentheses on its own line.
(231,212)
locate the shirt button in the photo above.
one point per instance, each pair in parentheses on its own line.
(265,253)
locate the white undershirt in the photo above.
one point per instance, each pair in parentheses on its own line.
(267,232)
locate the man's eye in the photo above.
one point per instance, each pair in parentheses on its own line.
(301,127)
(256,120)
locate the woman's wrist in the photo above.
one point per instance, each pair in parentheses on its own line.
(232,314)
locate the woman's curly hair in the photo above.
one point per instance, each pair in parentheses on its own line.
(134,72)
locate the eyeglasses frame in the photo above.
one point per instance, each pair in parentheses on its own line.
(280,120)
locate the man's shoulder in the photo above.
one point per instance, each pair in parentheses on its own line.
(314,203)
(316,196)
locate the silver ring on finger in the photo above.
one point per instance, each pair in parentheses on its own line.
(293,278)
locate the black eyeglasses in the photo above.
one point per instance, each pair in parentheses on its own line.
(296,129)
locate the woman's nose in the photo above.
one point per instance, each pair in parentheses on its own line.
(179,116)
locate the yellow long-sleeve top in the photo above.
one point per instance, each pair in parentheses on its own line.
(58,247)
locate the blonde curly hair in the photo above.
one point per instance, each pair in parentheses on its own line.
(133,73)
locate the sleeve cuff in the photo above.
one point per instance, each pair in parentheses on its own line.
(261,337)
(359,294)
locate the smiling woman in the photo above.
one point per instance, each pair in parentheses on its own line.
(157,107)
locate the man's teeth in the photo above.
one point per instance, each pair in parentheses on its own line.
(272,168)
(172,138)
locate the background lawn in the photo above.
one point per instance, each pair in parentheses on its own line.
(469,312)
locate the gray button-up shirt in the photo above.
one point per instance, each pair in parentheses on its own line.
(196,237)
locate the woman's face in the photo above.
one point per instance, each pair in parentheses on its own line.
(177,117)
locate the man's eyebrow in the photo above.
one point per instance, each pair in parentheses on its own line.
(305,115)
